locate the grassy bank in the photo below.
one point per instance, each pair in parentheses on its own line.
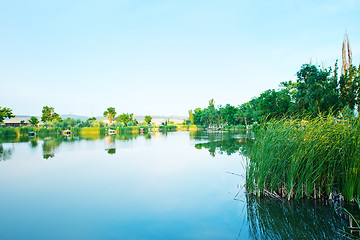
(306,158)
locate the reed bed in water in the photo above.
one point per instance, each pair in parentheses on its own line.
(306,158)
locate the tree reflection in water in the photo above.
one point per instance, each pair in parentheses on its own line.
(223,143)
(33,143)
(5,154)
(110,144)
(49,146)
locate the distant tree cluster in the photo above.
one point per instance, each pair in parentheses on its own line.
(126,119)
(225,115)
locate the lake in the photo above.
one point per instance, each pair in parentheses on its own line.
(177,185)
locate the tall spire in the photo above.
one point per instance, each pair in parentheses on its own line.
(346,54)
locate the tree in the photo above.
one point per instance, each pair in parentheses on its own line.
(49,115)
(5,113)
(127,118)
(349,87)
(34,121)
(148,119)
(246,114)
(191,117)
(110,114)
(273,104)
(315,91)
(228,114)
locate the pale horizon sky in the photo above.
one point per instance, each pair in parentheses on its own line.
(162,57)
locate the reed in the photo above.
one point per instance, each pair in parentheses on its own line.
(48,131)
(306,158)
(9,132)
(90,131)
(129,129)
(167,128)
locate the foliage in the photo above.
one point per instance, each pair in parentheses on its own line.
(49,115)
(349,87)
(7,132)
(148,119)
(316,91)
(306,158)
(211,115)
(90,131)
(167,128)
(272,104)
(128,129)
(110,113)
(34,121)
(5,113)
(127,119)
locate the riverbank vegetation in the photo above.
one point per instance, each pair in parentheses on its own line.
(303,157)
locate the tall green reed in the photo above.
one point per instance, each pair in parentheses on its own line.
(297,158)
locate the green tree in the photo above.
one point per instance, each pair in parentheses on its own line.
(127,119)
(349,84)
(5,113)
(228,115)
(273,104)
(148,119)
(49,115)
(315,91)
(246,114)
(110,114)
(191,117)
(34,121)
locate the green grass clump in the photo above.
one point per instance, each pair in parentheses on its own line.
(48,131)
(90,131)
(9,132)
(167,128)
(306,158)
(129,129)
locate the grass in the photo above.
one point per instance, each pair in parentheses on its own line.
(130,129)
(167,128)
(180,127)
(306,158)
(9,132)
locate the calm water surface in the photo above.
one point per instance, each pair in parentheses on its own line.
(181,185)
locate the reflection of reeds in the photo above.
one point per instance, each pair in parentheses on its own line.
(275,219)
(297,158)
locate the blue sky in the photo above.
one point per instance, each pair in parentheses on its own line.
(162,57)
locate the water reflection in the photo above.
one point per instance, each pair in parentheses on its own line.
(222,143)
(5,154)
(49,146)
(168,177)
(127,136)
(110,144)
(302,219)
(33,143)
